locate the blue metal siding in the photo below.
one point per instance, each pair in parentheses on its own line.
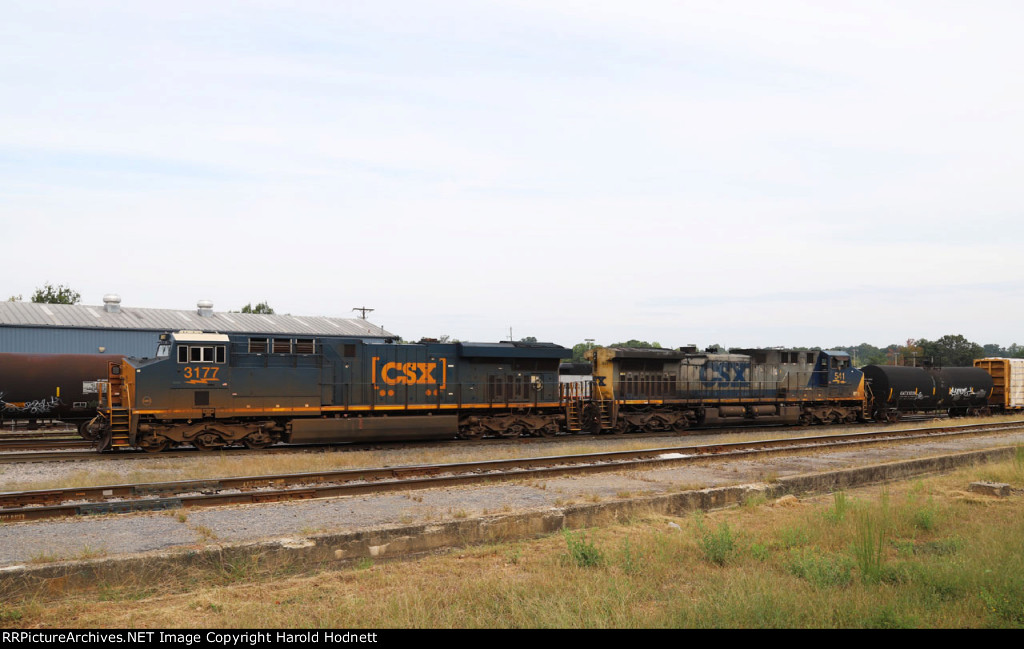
(49,340)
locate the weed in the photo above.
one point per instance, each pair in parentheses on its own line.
(760,551)
(630,559)
(755,499)
(924,518)
(868,547)
(44,557)
(1009,607)
(791,537)
(513,554)
(8,614)
(840,505)
(365,563)
(940,546)
(582,553)
(717,546)
(821,571)
(887,617)
(87,552)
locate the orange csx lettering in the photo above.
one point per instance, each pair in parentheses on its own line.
(408,373)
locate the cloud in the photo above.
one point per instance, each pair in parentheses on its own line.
(734,172)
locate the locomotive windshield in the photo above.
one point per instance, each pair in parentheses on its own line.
(163,350)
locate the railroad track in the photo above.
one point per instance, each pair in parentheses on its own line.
(58,451)
(109,499)
(30,444)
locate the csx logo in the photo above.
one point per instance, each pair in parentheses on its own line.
(408,373)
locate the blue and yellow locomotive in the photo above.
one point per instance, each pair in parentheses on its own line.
(214,390)
(661,389)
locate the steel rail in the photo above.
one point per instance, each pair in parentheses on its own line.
(39,504)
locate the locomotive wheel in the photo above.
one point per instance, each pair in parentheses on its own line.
(153,443)
(83,431)
(471,432)
(654,425)
(681,424)
(549,429)
(257,440)
(515,430)
(208,442)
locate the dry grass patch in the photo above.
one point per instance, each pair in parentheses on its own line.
(911,554)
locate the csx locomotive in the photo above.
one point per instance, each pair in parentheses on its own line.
(215,390)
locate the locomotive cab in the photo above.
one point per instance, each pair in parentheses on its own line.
(834,369)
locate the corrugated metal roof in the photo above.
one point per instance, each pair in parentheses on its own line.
(80,316)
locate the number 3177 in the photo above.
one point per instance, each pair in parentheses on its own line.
(201,374)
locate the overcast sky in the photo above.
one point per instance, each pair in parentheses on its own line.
(743,173)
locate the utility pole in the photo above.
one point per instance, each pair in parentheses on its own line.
(364,311)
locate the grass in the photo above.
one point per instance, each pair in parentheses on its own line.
(921,554)
(581,552)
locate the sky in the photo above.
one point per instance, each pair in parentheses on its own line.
(748,174)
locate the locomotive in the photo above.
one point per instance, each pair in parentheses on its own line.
(661,389)
(213,390)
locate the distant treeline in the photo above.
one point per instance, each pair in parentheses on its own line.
(952,350)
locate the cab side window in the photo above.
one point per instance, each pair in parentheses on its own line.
(202,354)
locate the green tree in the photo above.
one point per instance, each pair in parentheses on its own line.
(528,339)
(61,294)
(578,350)
(262,307)
(951,351)
(14,298)
(640,344)
(865,354)
(995,350)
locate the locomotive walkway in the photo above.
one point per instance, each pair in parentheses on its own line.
(65,553)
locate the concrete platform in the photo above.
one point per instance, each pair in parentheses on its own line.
(336,531)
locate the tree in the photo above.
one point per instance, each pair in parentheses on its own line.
(56,295)
(951,351)
(639,344)
(14,298)
(578,350)
(528,339)
(262,307)
(865,354)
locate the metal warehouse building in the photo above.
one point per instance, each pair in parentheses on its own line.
(28,327)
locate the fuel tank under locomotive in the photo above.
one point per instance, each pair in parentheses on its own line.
(918,389)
